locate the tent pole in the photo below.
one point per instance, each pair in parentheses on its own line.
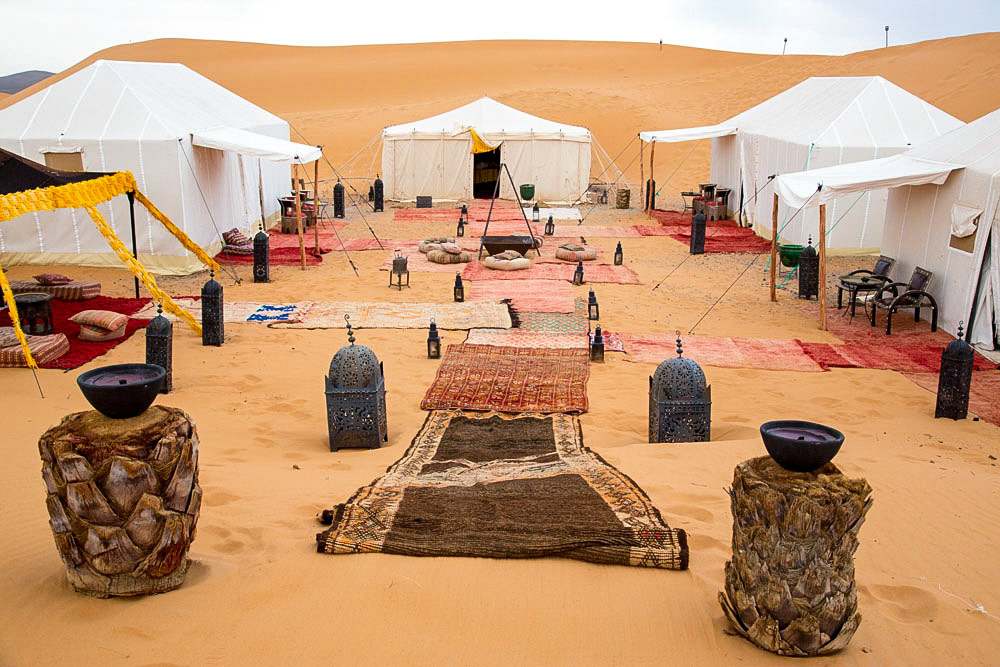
(298,216)
(652,182)
(316,202)
(131,219)
(822,267)
(642,178)
(774,245)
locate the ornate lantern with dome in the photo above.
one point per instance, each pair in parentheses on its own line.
(355,397)
(680,401)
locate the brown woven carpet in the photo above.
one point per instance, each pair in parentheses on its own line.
(510,379)
(503,486)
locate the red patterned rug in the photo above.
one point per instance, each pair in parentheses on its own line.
(592,273)
(982,393)
(886,355)
(552,296)
(722,236)
(277,256)
(773,354)
(510,379)
(84,351)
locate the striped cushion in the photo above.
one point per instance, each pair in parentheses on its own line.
(89,332)
(101,319)
(52,279)
(43,348)
(78,290)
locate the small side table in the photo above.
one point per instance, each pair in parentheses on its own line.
(35,312)
(855,285)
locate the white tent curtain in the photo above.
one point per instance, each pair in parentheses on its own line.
(253,144)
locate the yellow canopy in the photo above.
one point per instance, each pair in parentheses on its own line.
(479,145)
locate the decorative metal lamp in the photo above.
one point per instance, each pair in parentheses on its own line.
(534,212)
(212,332)
(338,200)
(550,227)
(460,230)
(261,257)
(697,234)
(808,272)
(371,193)
(955,379)
(597,345)
(160,346)
(593,310)
(355,397)
(379,189)
(680,402)
(433,342)
(619,256)
(465,212)
(578,274)
(459,288)
(399,269)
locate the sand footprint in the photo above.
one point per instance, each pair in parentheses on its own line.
(907,604)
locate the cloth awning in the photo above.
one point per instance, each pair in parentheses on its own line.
(255,145)
(689,133)
(797,188)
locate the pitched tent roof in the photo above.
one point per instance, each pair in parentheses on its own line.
(833,111)
(486,116)
(18,174)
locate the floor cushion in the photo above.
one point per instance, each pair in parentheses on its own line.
(440,256)
(100,325)
(574,252)
(433,243)
(504,262)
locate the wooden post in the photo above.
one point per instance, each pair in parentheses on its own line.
(822,267)
(652,179)
(774,248)
(316,204)
(642,178)
(298,217)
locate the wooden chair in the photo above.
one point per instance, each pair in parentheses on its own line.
(914,297)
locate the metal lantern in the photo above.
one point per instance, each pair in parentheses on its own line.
(371,193)
(433,342)
(597,346)
(459,289)
(160,347)
(460,230)
(212,332)
(399,269)
(593,310)
(619,256)
(578,274)
(550,227)
(955,379)
(338,200)
(534,212)
(261,257)
(355,397)
(698,233)
(680,401)
(808,272)
(465,212)
(379,191)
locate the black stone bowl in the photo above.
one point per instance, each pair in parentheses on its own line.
(800,446)
(122,390)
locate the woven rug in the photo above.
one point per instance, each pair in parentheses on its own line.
(612,341)
(566,323)
(498,486)
(592,273)
(327,238)
(908,358)
(276,257)
(983,392)
(558,213)
(370,315)
(235,311)
(722,236)
(510,379)
(555,296)
(772,354)
(522,338)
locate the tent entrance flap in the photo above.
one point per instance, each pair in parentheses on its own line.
(480,145)
(485,173)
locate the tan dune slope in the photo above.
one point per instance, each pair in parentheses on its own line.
(342,96)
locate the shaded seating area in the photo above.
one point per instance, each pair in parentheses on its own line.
(913,297)
(863,281)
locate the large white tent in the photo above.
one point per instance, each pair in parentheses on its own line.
(943,214)
(209,159)
(434,156)
(820,122)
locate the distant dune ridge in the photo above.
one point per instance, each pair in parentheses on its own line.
(341,97)
(14,83)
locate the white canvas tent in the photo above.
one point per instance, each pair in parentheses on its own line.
(434,156)
(205,156)
(820,122)
(943,214)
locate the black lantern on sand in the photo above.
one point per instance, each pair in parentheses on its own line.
(578,274)
(593,311)
(459,289)
(597,346)
(159,347)
(379,191)
(465,212)
(619,256)
(550,227)
(697,245)
(433,342)
(534,212)
(808,272)
(680,401)
(338,200)
(261,257)
(955,379)
(399,269)
(460,230)
(355,397)
(212,332)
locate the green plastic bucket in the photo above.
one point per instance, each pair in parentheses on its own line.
(527,191)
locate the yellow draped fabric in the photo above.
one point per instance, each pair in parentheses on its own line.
(8,298)
(479,145)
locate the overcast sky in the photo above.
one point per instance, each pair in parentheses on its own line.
(54,34)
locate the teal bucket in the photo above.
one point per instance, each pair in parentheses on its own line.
(527,191)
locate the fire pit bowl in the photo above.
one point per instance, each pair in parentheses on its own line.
(800,446)
(122,390)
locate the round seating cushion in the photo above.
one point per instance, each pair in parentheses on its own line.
(505,262)
(433,243)
(451,248)
(574,252)
(440,256)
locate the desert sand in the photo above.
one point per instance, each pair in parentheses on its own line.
(258,593)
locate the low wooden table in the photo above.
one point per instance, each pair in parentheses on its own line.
(34,309)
